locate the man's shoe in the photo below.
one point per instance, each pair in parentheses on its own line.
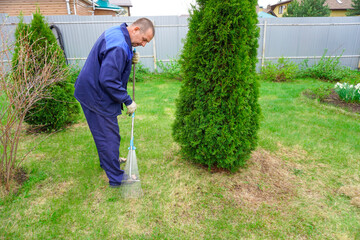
(122,160)
(126,180)
(129,180)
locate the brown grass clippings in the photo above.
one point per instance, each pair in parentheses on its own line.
(268,179)
(353,192)
(350,190)
(355,201)
(78,125)
(295,153)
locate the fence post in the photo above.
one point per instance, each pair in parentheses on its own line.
(264,44)
(154,51)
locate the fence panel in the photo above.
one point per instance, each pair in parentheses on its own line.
(301,38)
(293,38)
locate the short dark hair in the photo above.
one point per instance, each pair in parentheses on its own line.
(144,24)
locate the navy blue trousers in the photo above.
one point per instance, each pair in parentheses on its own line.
(105,131)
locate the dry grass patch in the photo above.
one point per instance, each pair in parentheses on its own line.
(79,125)
(295,153)
(267,180)
(43,195)
(50,191)
(352,192)
(94,201)
(355,201)
(62,188)
(19,177)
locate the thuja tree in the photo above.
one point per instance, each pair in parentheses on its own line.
(217,112)
(59,107)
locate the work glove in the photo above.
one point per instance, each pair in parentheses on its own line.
(131,108)
(135,58)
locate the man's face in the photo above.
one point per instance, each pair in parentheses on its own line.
(138,38)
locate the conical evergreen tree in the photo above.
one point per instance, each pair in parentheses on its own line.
(21,32)
(60,108)
(217,113)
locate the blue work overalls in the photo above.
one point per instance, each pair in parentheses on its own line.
(101,89)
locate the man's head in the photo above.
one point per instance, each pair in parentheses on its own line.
(141,32)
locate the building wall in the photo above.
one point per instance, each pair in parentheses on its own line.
(127,9)
(28,7)
(338,13)
(105,12)
(279,7)
(82,8)
(50,8)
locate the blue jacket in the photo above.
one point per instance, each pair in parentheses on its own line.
(102,83)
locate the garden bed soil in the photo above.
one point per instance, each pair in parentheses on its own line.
(20,176)
(334,99)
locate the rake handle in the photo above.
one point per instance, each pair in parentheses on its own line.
(134,77)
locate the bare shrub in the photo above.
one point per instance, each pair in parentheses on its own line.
(21,86)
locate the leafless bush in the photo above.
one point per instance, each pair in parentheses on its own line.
(21,86)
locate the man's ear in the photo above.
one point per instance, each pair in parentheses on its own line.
(136,28)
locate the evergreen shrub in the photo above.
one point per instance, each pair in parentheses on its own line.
(217,111)
(60,107)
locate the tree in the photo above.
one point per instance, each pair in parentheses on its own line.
(60,107)
(217,113)
(21,87)
(307,8)
(356,8)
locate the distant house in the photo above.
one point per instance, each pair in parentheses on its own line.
(338,7)
(264,15)
(278,9)
(63,7)
(125,4)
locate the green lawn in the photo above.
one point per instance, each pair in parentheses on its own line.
(293,187)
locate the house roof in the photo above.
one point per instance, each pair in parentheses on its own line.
(105,4)
(265,15)
(280,3)
(339,4)
(124,3)
(90,2)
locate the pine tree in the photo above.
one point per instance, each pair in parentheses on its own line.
(356,11)
(307,8)
(217,113)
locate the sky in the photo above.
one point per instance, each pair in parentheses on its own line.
(170,7)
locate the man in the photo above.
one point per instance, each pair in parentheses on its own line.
(101,89)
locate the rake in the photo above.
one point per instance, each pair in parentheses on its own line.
(132,186)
